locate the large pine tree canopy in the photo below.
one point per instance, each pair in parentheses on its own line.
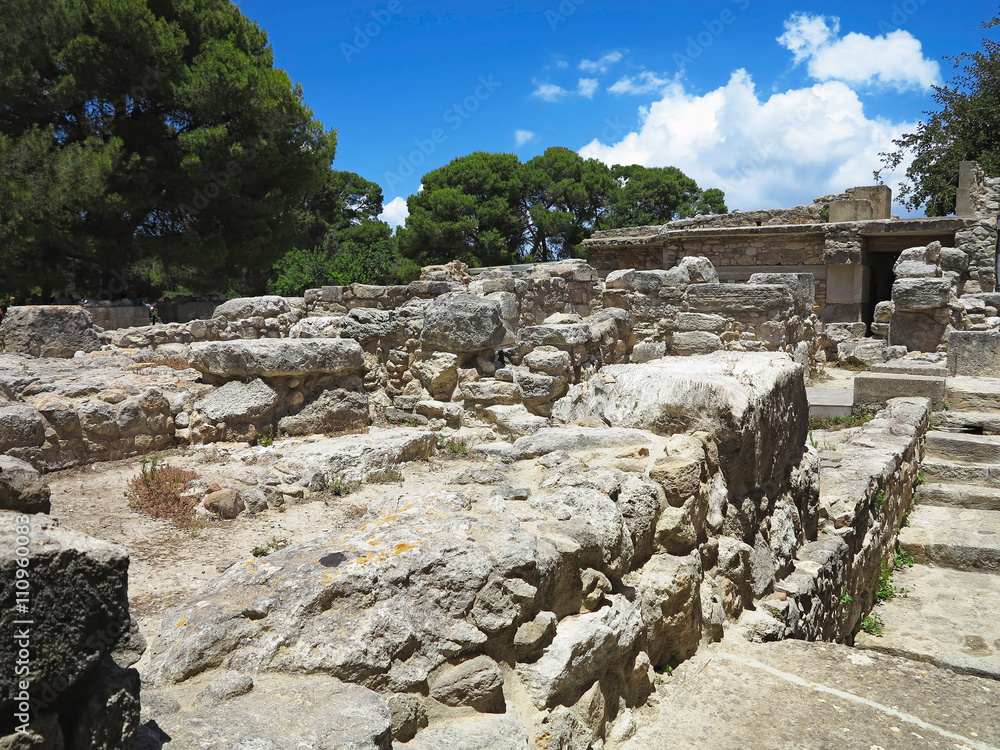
(147,139)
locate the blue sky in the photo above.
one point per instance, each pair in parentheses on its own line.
(775,103)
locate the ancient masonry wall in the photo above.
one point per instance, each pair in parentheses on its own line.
(869,487)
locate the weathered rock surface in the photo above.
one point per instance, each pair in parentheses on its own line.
(269,306)
(77,598)
(48,331)
(277,357)
(462,324)
(21,487)
(333,410)
(237,402)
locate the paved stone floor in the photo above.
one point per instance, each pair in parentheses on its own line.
(794,695)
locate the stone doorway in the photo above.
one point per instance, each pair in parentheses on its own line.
(880,278)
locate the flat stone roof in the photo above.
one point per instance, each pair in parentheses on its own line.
(653,234)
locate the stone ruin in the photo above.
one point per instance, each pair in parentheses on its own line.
(643,440)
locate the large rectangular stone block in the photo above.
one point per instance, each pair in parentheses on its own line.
(974,353)
(739,297)
(874,389)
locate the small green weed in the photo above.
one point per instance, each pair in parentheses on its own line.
(902,558)
(873,624)
(879,499)
(274,543)
(906,516)
(859,415)
(920,478)
(886,591)
(845,597)
(854,366)
(340,486)
(385,476)
(266,439)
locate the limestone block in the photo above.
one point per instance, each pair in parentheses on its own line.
(21,487)
(920,294)
(689,321)
(564,336)
(331,410)
(863,352)
(696,342)
(477,682)
(437,372)
(463,323)
(277,357)
(20,427)
(78,601)
(584,648)
(238,403)
(883,311)
(482,732)
(698,270)
(537,388)
(368,325)
(269,306)
(224,503)
(491,392)
(722,298)
(973,353)
(801,285)
(319,327)
(752,403)
(679,477)
(547,359)
(105,708)
(874,389)
(621,279)
(668,595)
(48,331)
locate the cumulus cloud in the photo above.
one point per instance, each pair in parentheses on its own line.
(646,82)
(522,136)
(895,60)
(781,150)
(602,64)
(587,87)
(548,92)
(394,212)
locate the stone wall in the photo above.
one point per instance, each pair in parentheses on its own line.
(120,314)
(874,478)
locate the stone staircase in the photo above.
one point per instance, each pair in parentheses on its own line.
(951,613)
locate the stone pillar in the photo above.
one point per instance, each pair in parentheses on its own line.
(963,196)
(846,293)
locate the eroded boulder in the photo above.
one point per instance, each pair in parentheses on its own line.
(22,488)
(277,357)
(48,331)
(463,324)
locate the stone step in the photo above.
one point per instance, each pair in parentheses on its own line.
(973,394)
(963,447)
(960,538)
(983,422)
(960,496)
(873,389)
(947,472)
(947,618)
(911,367)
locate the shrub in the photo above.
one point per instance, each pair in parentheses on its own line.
(156,491)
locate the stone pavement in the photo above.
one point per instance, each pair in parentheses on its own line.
(795,695)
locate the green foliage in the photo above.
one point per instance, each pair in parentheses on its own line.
(491,209)
(965,127)
(157,490)
(147,141)
(845,597)
(886,590)
(902,558)
(879,499)
(385,476)
(859,415)
(274,543)
(340,486)
(266,439)
(873,624)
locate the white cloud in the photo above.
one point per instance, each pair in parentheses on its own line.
(548,92)
(394,212)
(647,82)
(894,60)
(602,64)
(764,153)
(586,87)
(522,136)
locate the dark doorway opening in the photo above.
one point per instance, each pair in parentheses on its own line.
(880,278)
